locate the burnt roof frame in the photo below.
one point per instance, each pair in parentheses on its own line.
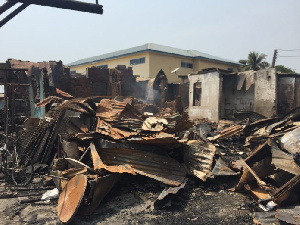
(62,4)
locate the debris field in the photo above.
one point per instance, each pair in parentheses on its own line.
(95,151)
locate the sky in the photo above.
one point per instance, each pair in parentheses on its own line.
(224,28)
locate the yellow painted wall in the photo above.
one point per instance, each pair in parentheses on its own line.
(201,64)
(168,63)
(154,62)
(140,69)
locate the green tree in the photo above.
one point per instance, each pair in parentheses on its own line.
(283,69)
(255,61)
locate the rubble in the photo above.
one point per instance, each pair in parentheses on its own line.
(90,145)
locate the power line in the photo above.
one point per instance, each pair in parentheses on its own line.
(289,56)
(289,50)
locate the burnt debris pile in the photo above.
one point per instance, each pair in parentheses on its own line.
(90,144)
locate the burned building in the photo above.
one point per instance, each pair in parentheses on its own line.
(113,82)
(218,94)
(288,92)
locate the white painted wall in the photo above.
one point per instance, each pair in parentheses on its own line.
(210,97)
(265,92)
(234,100)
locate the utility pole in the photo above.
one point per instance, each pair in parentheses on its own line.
(274,58)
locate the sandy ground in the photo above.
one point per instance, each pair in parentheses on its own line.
(131,202)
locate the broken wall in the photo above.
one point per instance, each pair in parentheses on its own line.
(43,79)
(95,83)
(265,92)
(288,92)
(81,87)
(207,105)
(119,81)
(183,92)
(179,90)
(234,100)
(100,81)
(129,86)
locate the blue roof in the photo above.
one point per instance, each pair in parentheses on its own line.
(151,47)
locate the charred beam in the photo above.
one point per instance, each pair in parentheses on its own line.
(13,69)
(6,6)
(13,14)
(67,4)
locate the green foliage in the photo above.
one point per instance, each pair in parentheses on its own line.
(243,61)
(255,61)
(283,69)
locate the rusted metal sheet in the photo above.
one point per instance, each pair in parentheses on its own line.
(65,94)
(198,158)
(114,133)
(98,164)
(267,160)
(237,165)
(284,161)
(111,110)
(230,131)
(256,172)
(100,187)
(38,140)
(289,215)
(291,141)
(160,139)
(282,193)
(128,124)
(48,100)
(260,123)
(69,174)
(167,194)
(258,193)
(178,122)
(255,140)
(171,190)
(159,167)
(70,149)
(70,198)
(221,169)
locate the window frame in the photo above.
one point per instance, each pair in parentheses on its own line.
(187,65)
(104,66)
(137,61)
(197,95)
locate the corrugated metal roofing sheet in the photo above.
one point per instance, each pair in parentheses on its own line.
(198,158)
(159,167)
(151,47)
(112,110)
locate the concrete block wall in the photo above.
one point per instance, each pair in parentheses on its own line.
(210,96)
(265,92)
(234,100)
(288,93)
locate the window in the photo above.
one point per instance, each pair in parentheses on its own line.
(197,94)
(137,61)
(187,65)
(230,69)
(73,72)
(103,66)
